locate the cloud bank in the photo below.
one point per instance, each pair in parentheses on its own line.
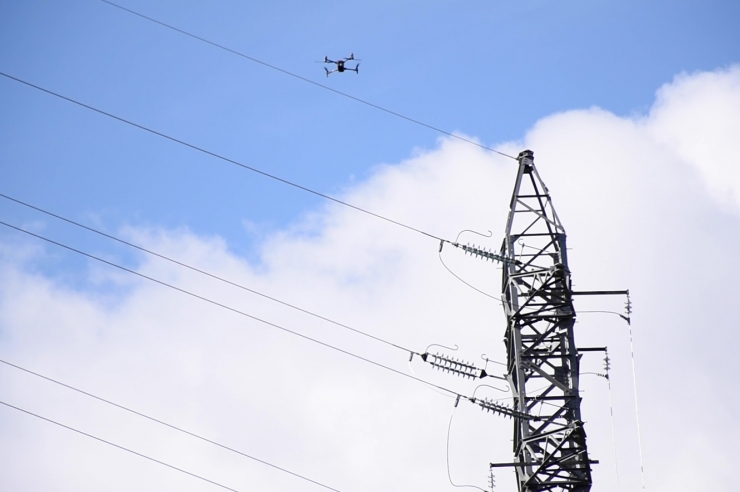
(650,202)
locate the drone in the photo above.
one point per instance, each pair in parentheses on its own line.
(340,65)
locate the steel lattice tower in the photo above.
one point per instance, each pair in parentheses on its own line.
(543,361)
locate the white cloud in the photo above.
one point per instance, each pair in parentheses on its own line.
(696,119)
(636,214)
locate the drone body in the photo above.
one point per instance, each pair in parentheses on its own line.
(340,65)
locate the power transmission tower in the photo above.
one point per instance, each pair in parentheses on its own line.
(542,358)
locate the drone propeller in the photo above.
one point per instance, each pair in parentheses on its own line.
(351,57)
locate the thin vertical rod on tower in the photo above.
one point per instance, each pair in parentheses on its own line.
(543,360)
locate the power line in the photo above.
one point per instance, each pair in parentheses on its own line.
(304,79)
(203,272)
(229,308)
(161,422)
(449,476)
(119,446)
(611,415)
(219,156)
(459,278)
(634,386)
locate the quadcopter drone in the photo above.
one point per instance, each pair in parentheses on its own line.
(340,65)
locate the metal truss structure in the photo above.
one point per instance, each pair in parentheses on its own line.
(543,362)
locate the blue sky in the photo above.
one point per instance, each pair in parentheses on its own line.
(487,69)
(627,106)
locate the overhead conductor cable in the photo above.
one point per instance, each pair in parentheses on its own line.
(181,470)
(218,156)
(161,422)
(229,308)
(203,272)
(304,79)
(472,250)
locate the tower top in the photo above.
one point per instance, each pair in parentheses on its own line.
(528,154)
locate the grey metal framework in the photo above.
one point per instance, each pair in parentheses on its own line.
(543,361)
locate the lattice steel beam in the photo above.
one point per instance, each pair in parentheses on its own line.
(543,363)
